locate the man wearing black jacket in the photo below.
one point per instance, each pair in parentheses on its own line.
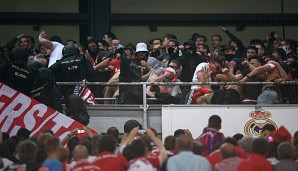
(73,67)
(15,72)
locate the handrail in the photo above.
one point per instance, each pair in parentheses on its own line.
(174,83)
(144,106)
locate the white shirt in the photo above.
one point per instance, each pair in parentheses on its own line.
(56,53)
(195,77)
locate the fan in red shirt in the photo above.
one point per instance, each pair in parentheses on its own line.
(215,158)
(256,160)
(106,159)
(114,68)
(140,154)
(80,156)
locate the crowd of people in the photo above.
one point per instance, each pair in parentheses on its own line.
(141,149)
(35,71)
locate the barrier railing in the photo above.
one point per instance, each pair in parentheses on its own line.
(145,106)
(173,83)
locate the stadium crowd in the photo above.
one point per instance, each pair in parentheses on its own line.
(35,71)
(141,149)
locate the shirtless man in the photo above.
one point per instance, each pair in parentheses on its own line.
(228,94)
(271,71)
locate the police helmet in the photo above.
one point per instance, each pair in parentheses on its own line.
(70,50)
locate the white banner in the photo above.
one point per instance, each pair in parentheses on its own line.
(245,120)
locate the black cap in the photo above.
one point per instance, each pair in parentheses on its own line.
(191,43)
(130,124)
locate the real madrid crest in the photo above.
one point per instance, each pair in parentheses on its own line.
(259,118)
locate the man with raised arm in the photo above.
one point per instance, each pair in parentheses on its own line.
(56,48)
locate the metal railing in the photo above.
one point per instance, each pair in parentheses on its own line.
(145,106)
(173,83)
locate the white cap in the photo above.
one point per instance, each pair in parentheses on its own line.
(141,47)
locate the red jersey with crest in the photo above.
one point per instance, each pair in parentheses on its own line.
(109,161)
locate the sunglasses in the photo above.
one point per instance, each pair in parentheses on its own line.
(171,66)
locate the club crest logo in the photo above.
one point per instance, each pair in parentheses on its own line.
(259,118)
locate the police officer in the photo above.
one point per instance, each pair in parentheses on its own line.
(76,109)
(15,73)
(73,67)
(46,90)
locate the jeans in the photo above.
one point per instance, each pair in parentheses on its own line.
(268,97)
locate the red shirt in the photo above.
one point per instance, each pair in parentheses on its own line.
(86,166)
(215,158)
(116,65)
(154,160)
(65,166)
(229,164)
(108,161)
(255,162)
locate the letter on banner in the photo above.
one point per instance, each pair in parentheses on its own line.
(5,91)
(22,102)
(17,110)
(61,121)
(29,119)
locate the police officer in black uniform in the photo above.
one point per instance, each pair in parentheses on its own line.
(46,90)
(73,67)
(15,72)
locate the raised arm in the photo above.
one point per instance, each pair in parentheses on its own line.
(162,77)
(42,40)
(162,151)
(103,64)
(248,65)
(233,37)
(282,72)
(150,69)
(228,76)
(257,71)
(69,135)
(13,41)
